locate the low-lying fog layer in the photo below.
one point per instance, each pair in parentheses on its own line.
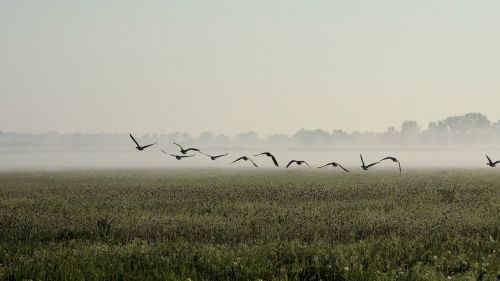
(55,158)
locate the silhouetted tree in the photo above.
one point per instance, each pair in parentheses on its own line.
(247,139)
(222,140)
(466,124)
(410,128)
(206,138)
(186,138)
(279,140)
(310,137)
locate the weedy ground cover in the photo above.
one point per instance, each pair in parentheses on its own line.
(217,224)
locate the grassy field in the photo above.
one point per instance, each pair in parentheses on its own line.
(215,224)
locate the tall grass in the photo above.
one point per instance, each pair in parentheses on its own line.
(215,224)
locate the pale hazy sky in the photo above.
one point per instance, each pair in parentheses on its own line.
(233,66)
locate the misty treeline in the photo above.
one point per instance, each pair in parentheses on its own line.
(471,129)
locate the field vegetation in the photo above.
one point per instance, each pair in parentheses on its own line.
(218,224)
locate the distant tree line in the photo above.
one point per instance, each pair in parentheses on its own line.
(471,129)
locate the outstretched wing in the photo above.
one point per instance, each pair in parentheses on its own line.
(362,162)
(343,168)
(148,145)
(179,146)
(238,159)
(192,149)
(136,143)
(253,162)
(372,164)
(222,155)
(275,161)
(399,164)
(386,158)
(260,154)
(290,163)
(168,153)
(489,160)
(185,156)
(324,165)
(496,162)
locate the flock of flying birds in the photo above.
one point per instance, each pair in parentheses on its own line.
(184,154)
(270,155)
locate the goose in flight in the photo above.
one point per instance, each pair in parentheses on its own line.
(213,157)
(365,167)
(491,163)
(185,151)
(245,158)
(138,146)
(178,157)
(333,164)
(393,159)
(298,162)
(268,154)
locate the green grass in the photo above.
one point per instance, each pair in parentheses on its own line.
(215,224)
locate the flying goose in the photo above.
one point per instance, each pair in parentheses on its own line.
(245,158)
(178,157)
(268,154)
(393,159)
(138,146)
(185,151)
(298,162)
(491,163)
(333,164)
(363,163)
(213,157)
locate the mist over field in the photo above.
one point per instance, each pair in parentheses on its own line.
(97,98)
(457,141)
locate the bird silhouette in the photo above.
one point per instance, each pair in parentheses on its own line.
(298,162)
(138,146)
(268,154)
(185,151)
(393,159)
(333,164)
(178,157)
(365,167)
(214,157)
(245,158)
(491,163)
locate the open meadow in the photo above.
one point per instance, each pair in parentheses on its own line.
(220,224)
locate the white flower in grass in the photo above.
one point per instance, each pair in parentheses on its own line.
(346,268)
